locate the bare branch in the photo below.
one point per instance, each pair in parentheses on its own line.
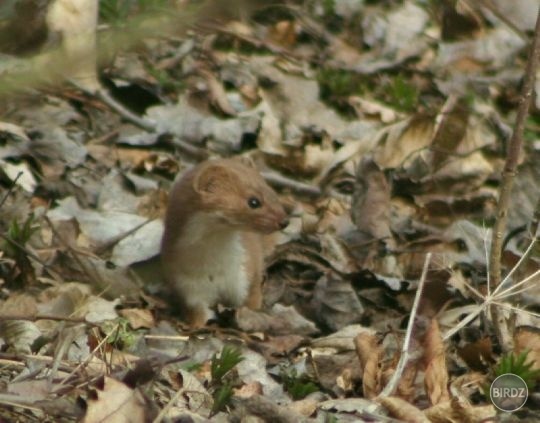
(509,173)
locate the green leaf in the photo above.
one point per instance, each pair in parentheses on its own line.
(520,366)
(229,357)
(222,396)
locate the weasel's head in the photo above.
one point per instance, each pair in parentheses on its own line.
(235,193)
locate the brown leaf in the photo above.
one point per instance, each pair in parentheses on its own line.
(436,376)
(283,33)
(218,96)
(369,353)
(371,202)
(305,407)
(139,318)
(406,388)
(459,410)
(403,410)
(248,390)
(450,128)
(528,338)
(116,403)
(478,355)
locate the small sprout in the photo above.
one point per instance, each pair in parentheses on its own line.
(123,337)
(222,384)
(401,94)
(222,395)
(298,386)
(520,366)
(220,366)
(20,234)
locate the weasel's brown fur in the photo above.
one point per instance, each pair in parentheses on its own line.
(216,232)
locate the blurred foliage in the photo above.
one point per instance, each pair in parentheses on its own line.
(298,386)
(398,92)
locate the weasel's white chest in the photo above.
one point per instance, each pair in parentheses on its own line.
(210,267)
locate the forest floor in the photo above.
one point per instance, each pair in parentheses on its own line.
(384,128)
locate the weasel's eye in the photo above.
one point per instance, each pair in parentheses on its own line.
(254,202)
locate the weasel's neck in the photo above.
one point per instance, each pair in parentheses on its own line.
(205,227)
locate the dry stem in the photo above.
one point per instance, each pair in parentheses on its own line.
(509,172)
(394,381)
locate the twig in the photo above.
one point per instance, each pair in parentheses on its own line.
(75,255)
(25,250)
(115,240)
(37,317)
(509,172)
(522,259)
(488,4)
(191,150)
(394,380)
(169,405)
(86,360)
(10,189)
(299,187)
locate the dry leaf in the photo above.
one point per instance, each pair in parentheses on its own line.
(248,390)
(369,354)
(403,410)
(371,201)
(436,376)
(283,33)
(478,355)
(528,339)
(116,403)
(139,317)
(459,410)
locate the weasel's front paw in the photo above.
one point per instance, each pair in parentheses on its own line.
(197,315)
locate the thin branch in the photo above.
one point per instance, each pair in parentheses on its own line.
(10,189)
(34,257)
(509,172)
(281,181)
(87,360)
(37,317)
(516,286)
(394,381)
(523,257)
(467,320)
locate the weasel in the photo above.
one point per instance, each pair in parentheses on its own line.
(218,221)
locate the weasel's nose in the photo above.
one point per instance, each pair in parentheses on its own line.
(284,223)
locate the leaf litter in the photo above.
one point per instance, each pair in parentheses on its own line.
(383,127)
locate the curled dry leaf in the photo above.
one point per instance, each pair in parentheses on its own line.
(369,353)
(406,388)
(371,201)
(403,410)
(436,376)
(459,410)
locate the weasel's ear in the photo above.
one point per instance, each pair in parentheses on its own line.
(246,161)
(210,178)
